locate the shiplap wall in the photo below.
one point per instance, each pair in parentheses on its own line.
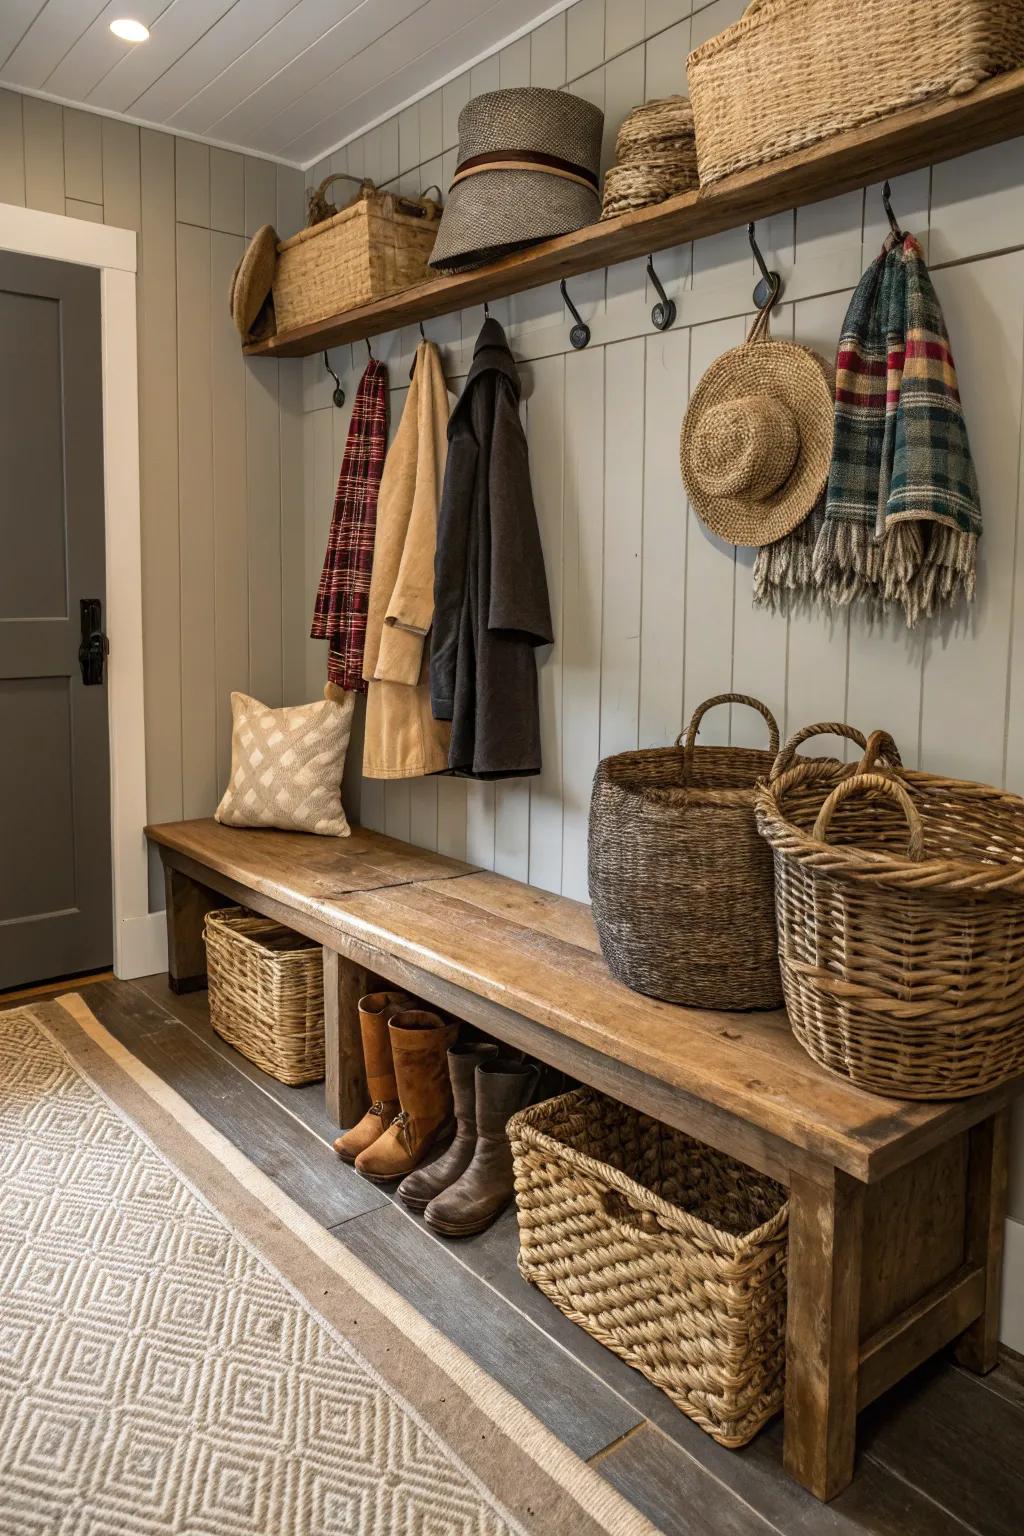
(653,613)
(221,438)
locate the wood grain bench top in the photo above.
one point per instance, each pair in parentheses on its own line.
(537,955)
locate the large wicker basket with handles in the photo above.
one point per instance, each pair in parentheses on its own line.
(680,885)
(670,1253)
(377,245)
(900,899)
(266,993)
(792,72)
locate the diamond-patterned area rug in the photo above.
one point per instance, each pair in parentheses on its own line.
(183,1350)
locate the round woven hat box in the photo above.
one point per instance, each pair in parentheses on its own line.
(682,893)
(528,170)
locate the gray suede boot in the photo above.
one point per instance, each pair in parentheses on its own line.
(503,1086)
(420,1187)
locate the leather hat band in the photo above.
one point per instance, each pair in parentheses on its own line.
(525,160)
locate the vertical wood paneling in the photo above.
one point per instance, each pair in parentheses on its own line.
(663,573)
(192,182)
(709,572)
(79,210)
(547,53)
(260,193)
(545,430)
(230,569)
(122,184)
(623,540)
(584,453)
(195,516)
(227,192)
(158,438)
(263,477)
(584,37)
(514,64)
(83,156)
(44,154)
(12,149)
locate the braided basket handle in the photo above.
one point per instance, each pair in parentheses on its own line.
(879,745)
(883,746)
(879,783)
(319,208)
(688,737)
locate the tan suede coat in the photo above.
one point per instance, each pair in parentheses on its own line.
(402,738)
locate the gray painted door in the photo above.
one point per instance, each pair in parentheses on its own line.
(55,891)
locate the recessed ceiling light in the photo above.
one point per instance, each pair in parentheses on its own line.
(129,31)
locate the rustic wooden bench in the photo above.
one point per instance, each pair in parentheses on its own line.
(896,1208)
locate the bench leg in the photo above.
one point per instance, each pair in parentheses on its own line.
(345,1093)
(187,904)
(987,1179)
(826,1224)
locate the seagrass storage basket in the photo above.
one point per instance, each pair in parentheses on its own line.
(792,72)
(680,882)
(266,993)
(900,901)
(374,247)
(669,1253)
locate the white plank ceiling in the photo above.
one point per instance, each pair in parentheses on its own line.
(287,78)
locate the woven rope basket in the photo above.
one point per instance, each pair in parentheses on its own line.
(655,156)
(900,901)
(680,882)
(266,993)
(669,1253)
(759,91)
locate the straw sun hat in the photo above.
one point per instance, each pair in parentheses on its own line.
(251,282)
(756,442)
(529,161)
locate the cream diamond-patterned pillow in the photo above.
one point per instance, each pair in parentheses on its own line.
(286,766)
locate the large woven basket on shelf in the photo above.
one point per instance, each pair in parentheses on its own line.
(266,993)
(900,901)
(792,72)
(680,882)
(374,247)
(670,1253)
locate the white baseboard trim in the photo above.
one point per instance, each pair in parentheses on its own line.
(1011,1321)
(142,950)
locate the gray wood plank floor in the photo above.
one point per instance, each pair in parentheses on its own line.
(939,1456)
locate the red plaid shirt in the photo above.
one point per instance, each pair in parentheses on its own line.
(343,594)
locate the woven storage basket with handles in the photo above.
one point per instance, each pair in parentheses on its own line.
(792,72)
(670,1253)
(266,993)
(900,903)
(377,245)
(679,880)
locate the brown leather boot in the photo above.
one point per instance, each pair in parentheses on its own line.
(419,1046)
(503,1086)
(420,1187)
(375,1009)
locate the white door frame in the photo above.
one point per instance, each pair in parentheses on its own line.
(139,942)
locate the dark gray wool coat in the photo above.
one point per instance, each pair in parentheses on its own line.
(490,594)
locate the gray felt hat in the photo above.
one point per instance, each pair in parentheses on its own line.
(529,166)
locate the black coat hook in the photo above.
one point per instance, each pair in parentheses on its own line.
(369,349)
(339,394)
(423,337)
(770,286)
(664,312)
(579,336)
(887,205)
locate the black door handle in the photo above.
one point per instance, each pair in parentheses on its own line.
(92,652)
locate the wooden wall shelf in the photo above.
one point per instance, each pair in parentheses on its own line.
(922,135)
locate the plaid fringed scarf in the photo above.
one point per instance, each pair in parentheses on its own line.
(902,514)
(343,595)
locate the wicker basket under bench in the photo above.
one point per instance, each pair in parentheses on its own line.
(266,993)
(670,1253)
